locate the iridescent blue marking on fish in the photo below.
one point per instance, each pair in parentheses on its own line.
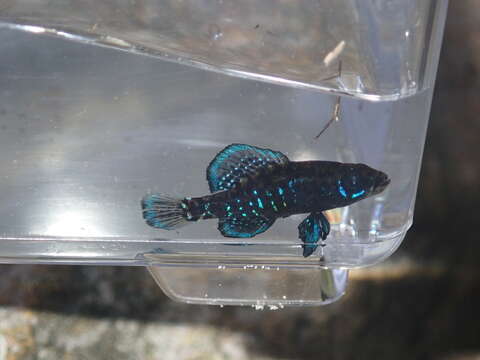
(262,178)
(260,204)
(314,227)
(309,232)
(360,193)
(274,206)
(341,189)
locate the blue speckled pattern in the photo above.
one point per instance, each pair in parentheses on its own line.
(252,187)
(239,161)
(244,227)
(310,230)
(163,212)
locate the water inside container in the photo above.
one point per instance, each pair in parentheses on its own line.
(383,44)
(86,132)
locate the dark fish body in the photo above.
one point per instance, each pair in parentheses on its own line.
(300,187)
(252,187)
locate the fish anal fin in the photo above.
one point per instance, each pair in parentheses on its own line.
(244,227)
(240,162)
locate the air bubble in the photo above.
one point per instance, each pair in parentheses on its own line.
(214,32)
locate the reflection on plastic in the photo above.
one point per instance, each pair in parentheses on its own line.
(381,44)
(256,285)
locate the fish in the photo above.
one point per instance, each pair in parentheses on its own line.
(252,187)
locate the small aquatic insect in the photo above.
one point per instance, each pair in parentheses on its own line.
(335,117)
(252,187)
(336,109)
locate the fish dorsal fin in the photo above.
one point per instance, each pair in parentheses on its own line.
(244,227)
(239,161)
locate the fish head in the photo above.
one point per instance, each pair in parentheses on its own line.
(359,181)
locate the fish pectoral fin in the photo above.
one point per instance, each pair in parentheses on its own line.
(244,227)
(241,161)
(311,229)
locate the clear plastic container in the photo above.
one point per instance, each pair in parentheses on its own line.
(86,132)
(384,45)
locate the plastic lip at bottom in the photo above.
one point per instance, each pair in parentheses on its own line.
(164,252)
(252,285)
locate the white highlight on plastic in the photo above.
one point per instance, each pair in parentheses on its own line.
(73,223)
(33,29)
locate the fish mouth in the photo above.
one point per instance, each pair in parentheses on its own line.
(381,182)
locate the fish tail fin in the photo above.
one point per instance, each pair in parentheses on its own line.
(164,212)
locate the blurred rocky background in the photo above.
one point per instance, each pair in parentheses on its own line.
(423,304)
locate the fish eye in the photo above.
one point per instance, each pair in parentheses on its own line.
(357,181)
(350,181)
